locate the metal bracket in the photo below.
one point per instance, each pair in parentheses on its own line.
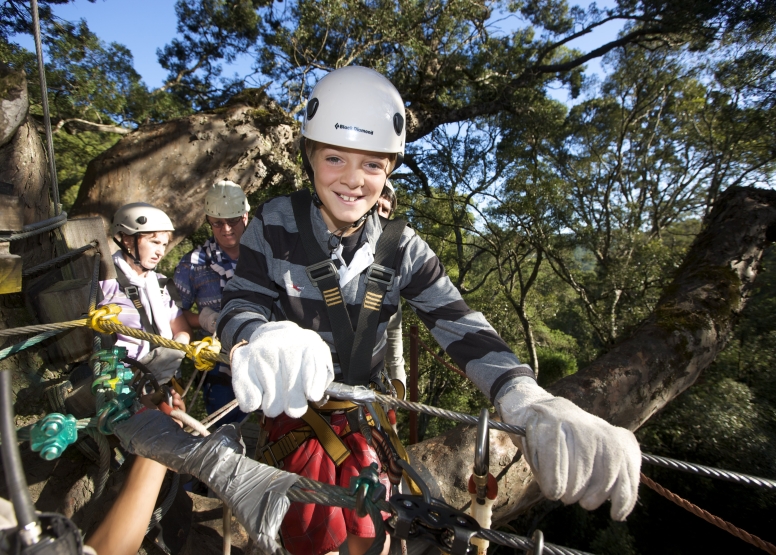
(434,522)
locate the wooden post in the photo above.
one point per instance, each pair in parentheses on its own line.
(11,219)
(63,301)
(413,383)
(81,231)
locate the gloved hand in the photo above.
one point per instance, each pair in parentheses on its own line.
(163,363)
(280,369)
(574,455)
(207,319)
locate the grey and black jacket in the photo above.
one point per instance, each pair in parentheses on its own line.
(270,282)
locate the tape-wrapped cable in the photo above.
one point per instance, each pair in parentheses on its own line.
(255,492)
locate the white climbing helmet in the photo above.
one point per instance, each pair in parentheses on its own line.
(356,107)
(139,217)
(226,199)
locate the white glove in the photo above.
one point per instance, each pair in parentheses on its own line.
(574,455)
(207,319)
(163,363)
(280,369)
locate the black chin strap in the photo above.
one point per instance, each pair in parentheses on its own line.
(134,258)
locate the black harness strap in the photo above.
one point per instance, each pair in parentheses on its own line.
(379,280)
(133,295)
(353,348)
(323,275)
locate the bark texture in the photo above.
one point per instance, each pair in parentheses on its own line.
(664,356)
(171,165)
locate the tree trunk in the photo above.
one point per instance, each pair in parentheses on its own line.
(665,355)
(171,165)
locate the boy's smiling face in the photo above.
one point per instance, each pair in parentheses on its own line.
(348,182)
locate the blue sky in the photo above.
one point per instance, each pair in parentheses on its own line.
(146,25)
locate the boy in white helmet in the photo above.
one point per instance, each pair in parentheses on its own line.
(202,274)
(327,269)
(146,298)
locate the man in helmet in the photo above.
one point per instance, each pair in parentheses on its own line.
(318,279)
(146,298)
(202,274)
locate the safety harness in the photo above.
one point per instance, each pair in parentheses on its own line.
(354,348)
(134,295)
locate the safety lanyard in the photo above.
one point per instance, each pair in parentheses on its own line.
(354,348)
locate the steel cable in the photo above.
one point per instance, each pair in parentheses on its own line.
(102,476)
(526,544)
(27,343)
(708,471)
(37,328)
(58,260)
(26,234)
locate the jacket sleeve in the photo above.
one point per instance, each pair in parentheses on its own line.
(463,333)
(250,294)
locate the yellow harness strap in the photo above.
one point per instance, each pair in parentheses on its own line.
(329,440)
(273,453)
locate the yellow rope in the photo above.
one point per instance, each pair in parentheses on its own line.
(204,353)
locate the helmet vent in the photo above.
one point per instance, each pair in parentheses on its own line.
(312,107)
(142,220)
(398,123)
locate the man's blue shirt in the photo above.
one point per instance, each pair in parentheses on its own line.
(198,283)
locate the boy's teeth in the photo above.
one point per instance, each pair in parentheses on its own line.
(349,199)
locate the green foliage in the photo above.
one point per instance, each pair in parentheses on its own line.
(555,365)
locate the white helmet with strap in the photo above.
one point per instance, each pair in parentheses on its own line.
(139,217)
(355,107)
(226,199)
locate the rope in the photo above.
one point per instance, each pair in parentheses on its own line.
(196,392)
(188,385)
(190,421)
(56,261)
(708,471)
(440,360)
(204,353)
(710,518)
(219,414)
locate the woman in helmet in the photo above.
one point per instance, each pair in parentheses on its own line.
(146,298)
(331,274)
(202,274)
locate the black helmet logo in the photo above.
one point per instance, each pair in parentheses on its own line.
(142,220)
(398,123)
(312,107)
